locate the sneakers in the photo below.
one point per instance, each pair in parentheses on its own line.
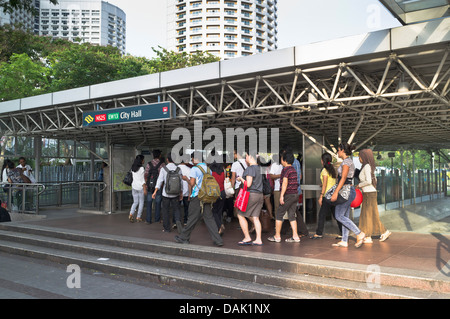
(385,236)
(340,244)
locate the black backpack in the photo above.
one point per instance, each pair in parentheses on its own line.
(173,181)
(152,177)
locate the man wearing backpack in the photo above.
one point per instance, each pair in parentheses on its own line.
(151,175)
(169,181)
(195,206)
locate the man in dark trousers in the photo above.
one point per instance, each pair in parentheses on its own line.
(195,208)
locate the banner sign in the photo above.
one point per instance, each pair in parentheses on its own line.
(131,114)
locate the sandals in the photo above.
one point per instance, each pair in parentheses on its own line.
(278,240)
(360,240)
(274,240)
(131,218)
(245,243)
(316,237)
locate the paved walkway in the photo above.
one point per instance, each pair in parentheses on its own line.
(426,250)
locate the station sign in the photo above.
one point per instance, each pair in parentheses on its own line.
(130,114)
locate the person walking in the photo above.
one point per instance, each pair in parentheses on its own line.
(218,172)
(185,171)
(196,207)
(275,173)
(347,194)
(138,188)
(328,178)
(237,169)
(369,219)
(252,175)
(170,202)
(151,175)
(288,199)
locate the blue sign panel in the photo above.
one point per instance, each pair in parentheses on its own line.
(131,114)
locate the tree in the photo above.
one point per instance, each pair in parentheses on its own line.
(27,5)
(15,40)
(22,77)
(32,64)
(170,60)
(83,65)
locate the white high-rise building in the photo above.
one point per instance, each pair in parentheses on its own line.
(92,21)
(21,18)
(225,28)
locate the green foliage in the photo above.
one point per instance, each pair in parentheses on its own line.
(170,60)
(22,77)
(422,159)
(28,5)
(31,65)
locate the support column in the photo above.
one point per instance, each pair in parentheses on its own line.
(402,179)
(37,157)
(413,154)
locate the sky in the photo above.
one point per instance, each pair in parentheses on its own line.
(299,21)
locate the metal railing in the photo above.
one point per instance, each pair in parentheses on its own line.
(28,198)
(22,197)
(90,195)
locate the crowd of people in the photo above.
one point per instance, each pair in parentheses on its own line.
(273,185)
(21,173)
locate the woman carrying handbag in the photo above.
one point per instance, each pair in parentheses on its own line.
(253,178)
(344,193)
(138,188)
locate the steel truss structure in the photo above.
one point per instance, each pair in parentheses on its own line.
(356,98)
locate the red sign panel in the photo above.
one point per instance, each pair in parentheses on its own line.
(100,118)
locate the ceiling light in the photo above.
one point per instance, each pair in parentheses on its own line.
(403,86)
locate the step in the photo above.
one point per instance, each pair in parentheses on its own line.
(322,268)
(294,273)
(168,276)
(311,284)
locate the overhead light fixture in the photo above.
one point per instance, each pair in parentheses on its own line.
(379,157)
(312,98)
(403,86)
(328,108)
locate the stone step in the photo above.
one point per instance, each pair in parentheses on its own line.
(297,274)
(168,276)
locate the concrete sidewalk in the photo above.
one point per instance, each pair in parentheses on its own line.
(426,250)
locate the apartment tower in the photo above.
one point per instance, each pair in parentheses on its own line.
(225,28)
(94,21)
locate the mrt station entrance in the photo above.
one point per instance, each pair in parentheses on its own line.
(387,91)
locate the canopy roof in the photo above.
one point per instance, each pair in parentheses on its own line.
(389,88)
(412,11)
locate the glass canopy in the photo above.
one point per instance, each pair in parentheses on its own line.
(412,11)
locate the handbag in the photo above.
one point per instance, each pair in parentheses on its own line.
(341,196)
(242,198)
(128,179)
(267,189)
(229,189)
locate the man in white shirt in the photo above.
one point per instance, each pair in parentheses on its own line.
(27,170)
(237,169)
(185,171)
(169,201)
(275,173)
